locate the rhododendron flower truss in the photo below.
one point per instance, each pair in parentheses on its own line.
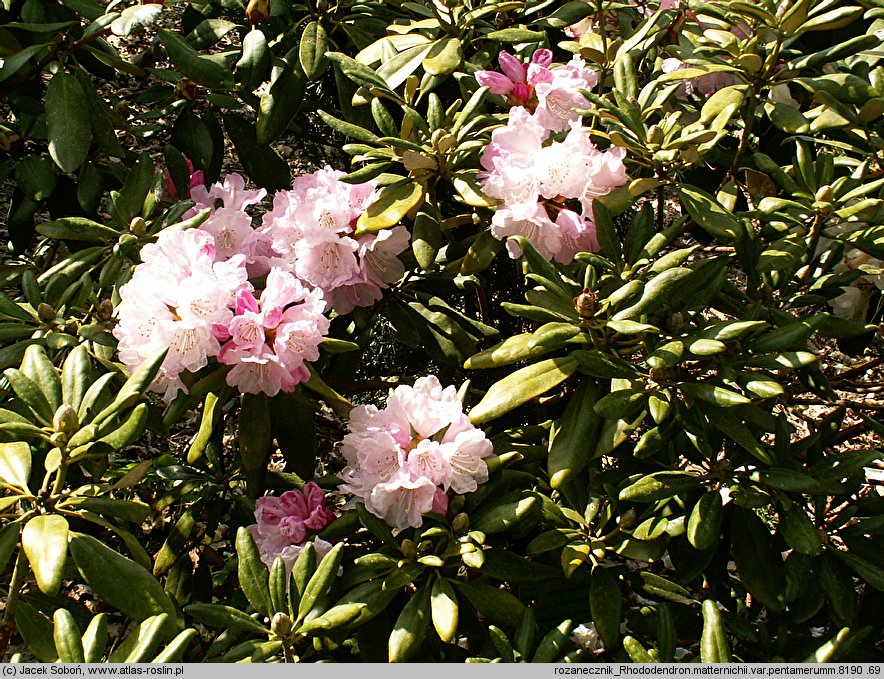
(176,298)
(269,339)
(547,188)
(184,298)
(403,459)
(286,523)
(310,233)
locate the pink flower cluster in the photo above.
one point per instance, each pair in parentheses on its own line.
(547,186)
(192,293)
(285,523)
(403,459)
(310,232)
(184,297)
(551,94)
(176,298)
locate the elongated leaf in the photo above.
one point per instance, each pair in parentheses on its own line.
(45,541)
(67,121)
(67,637)
(444,56)
(253,573)
(444,609)
(312,49)
(15,463)
(411,627)
(605,603)
(522,386)
(121,582)
(390,206)
(713,642)
(188,61)
(759,564)
(216,615)
(709,213)
(326,572)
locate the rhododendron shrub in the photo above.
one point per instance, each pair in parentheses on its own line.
(405,458)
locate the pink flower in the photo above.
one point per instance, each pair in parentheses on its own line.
(231,193)
(175,299)
(558,93)
(232,231)
(197,179)
(285,523)
(513,82)
(379,265)
(403,459)
(535,226)
(324,259)
(577,234)
(269,341)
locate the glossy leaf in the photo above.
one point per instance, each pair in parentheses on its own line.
(45,542)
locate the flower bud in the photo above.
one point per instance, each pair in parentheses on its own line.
(187,89)
(409,549)
(655,135)
(460,523)
(138,226)
(105,311)
(586,303)
(281,624)
(258,11)
(628,519)
(45,312)
(65,419)
(824,194)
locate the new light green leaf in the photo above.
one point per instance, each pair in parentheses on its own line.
(45,541)
(15,463)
